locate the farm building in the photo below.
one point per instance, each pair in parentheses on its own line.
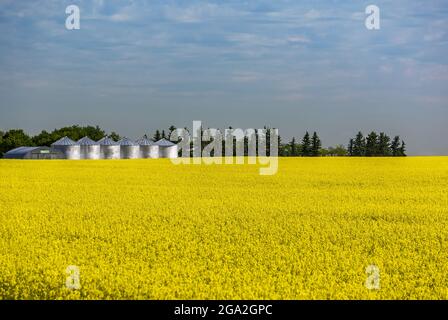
(34,153)
(106,148)
(148,149)
(129,149)
(69,148)
(89,149)
(167,149)
(109,149)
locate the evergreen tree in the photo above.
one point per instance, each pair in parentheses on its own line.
(350,147)
(281,149)
(372,144)
(163,134)
(157,136)
(315,145)
(306,145)
(359,147)
(115,136)
(293,148)
(402,151)
(384,145)
(395,146)
(170,130)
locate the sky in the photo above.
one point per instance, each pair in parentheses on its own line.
(135,66)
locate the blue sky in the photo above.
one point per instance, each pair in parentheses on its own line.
(135,66)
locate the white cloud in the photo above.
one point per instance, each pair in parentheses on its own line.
(298,39)
(190,14)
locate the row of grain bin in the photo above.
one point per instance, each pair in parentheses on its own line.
(107,148)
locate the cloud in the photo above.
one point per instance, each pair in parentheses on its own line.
(298,39)
(191,14)
(246,76)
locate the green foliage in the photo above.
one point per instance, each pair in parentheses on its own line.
(43,139)
(157,136)
(376,145)
(77,132)
(13,139)
(350,147)
(315,145)
(293,152)
(115,136)
(402,152)
(306,145)
(337,151)
(395,146)
(359,146)
(383,145)
(371,144)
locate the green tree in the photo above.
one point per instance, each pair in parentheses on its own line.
(359,147)
(76,132)
(402,149)
(293,148)
(350,147)
(384,145)
(1,142)
(316,144)
(114,136)
(306,145)
(42,139)
(94,133)
(372,144)
(395,146)
(13,139)
(157,136)
(170,130)
(337,151)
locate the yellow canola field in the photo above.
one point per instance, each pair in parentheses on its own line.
(149,229)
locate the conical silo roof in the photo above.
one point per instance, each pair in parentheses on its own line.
(107,141)
(65,141)
(143,141)
(86,141)
(127,142)
(164,143)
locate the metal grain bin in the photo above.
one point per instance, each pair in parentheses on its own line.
(167,149)
(69,148)
(89,148)
(129,149)
(109,149)
(148,149)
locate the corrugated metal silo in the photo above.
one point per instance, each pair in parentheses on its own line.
(89,148)
(69,147)
(148,149)
(129,149)
(167,149)
(109,149)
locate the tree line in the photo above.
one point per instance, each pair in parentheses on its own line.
(376,145)
(309,146)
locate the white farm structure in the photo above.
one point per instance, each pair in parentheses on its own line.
(107,148)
